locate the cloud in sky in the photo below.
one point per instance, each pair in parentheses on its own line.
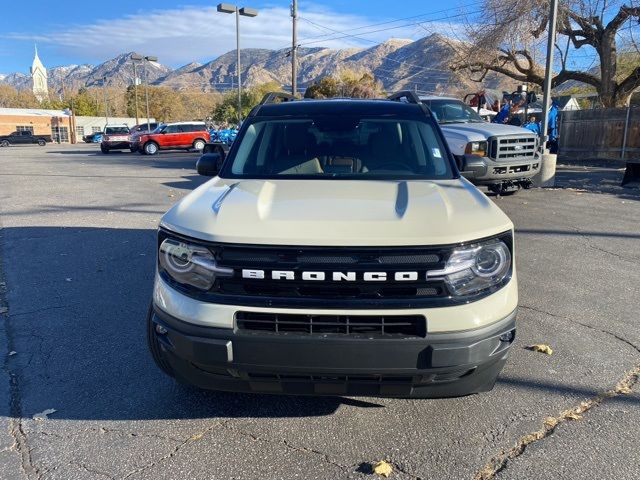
(181,35)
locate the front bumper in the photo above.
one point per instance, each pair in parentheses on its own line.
(485,171)
(121,145)
(438,365)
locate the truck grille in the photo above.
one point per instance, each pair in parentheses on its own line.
(513,147)
(393,325)
(327,261)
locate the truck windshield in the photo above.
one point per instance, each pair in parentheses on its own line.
(453,111)
(116,130)
(339,147)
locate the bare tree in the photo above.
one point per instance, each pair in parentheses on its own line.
(508,37)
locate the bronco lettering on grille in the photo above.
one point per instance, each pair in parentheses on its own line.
(333,276)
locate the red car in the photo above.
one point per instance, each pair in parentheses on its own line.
(179,135)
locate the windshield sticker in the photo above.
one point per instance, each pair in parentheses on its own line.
(436,152)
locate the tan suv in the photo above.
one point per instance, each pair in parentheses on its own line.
(337,250)
(179,135)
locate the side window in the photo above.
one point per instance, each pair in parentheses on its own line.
(171,129)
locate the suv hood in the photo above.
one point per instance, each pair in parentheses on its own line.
(484,130)
(336,213)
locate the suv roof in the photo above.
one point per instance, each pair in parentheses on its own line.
(195,122)
(338,106)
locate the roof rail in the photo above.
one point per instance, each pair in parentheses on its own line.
(272,96)
(409,97)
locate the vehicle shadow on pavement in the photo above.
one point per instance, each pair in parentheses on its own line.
(76,322)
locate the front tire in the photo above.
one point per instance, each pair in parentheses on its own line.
(150,148)
(104,149)
(198,145)
(42,143)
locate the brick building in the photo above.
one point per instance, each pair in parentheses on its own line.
(60,124)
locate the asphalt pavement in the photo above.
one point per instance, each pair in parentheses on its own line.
(77,242)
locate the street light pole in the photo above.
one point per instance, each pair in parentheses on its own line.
(294,47)
(547,173)
(238,72)
(104,92)
(135,89)
(245,12)
(548,73)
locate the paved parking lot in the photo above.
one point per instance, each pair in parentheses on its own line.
(77,243)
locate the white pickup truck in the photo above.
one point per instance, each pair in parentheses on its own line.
(503,158)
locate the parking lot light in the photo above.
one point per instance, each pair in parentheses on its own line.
(245,12)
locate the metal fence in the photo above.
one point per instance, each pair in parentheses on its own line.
(610,133)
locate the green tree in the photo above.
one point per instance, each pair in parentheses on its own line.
(349,83)
(227,109)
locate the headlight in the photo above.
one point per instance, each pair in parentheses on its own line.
(476,148)
(190,264)
(472,269)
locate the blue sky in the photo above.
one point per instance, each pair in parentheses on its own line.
(179,32)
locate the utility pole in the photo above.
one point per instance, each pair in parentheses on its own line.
(547,173)
(294,48)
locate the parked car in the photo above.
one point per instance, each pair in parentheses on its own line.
(337,250)
(116,137)
(144,127)
(24,138)
(95,137)
(179,135)
(503,158)
(141,129)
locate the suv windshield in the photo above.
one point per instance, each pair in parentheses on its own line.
(336,147)
(453,111)
(116,130)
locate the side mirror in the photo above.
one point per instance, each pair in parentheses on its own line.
(214,148)
(209,164)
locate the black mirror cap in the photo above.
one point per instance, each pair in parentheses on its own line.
(209,164)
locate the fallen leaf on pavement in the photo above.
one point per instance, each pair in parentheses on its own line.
(541,348)
(573,415)
(44,415)
(382,468)
(4,309)
(12,353)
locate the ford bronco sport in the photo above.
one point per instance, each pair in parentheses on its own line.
(336,251)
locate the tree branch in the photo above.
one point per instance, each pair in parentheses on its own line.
(629,84)
(622,16)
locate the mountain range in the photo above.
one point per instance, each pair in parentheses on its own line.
(397,63)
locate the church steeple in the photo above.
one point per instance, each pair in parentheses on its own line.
(39,77)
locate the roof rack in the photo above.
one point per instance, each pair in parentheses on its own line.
(272,96)
(409,97)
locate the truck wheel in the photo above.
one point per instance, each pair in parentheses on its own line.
(154,346)
(42,143)
(104,149)
(4,143)
(198,144)
(150,148)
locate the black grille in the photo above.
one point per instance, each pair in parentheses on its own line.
(327,261)
(364,325)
